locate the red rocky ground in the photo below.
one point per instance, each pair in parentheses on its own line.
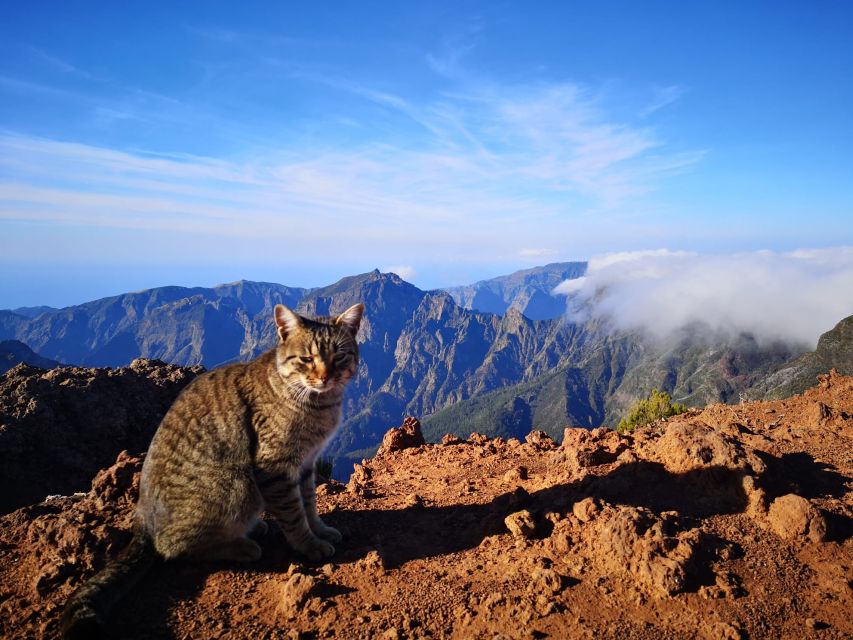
(731,522)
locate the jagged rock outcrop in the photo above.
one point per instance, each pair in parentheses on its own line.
(59,427)
(405,436)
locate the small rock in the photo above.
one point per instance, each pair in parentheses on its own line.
(792,516)
(449,439)
(586,509)
(467,486)
(406,436)
(722,631)
(521,524)
(359,478)
(295,593)
(820,412)
(756,498)
(515,475)
(414,500)
(546,580)
(330,487)
(372,562)
(540,440)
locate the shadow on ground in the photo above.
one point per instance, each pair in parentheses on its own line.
(402,535)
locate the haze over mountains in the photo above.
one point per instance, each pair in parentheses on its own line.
(497,356)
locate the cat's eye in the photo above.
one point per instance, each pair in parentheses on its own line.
(306,359)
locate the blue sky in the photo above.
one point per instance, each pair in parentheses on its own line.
(144,144)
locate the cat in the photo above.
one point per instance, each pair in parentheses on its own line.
(238,441)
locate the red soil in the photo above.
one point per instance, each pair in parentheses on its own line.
(731,522)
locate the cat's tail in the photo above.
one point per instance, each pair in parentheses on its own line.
(86,610)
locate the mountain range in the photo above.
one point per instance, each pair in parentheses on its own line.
(469,358)
(13,352)
(527,291)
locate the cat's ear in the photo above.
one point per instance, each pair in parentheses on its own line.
(351,318)
(286,321)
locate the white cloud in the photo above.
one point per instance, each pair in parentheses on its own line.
(792,296)
(597,263)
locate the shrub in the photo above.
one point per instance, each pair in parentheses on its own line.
(657,405)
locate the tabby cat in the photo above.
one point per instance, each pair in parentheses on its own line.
(239,440)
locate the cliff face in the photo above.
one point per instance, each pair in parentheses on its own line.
(59,427)
(834,351)
(727,522)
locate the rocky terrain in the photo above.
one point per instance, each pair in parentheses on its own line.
(59,427)
(735,521)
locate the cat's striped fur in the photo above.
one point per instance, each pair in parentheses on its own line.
(238,441)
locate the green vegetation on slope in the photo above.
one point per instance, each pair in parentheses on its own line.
(657,405)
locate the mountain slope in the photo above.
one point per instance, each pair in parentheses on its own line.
(57,428)
(181,325)
(608,373)
(13,352)
(528,291)
(834,351)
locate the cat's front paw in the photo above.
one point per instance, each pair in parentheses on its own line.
(326,532)
(316,549)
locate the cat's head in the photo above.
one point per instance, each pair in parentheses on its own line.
(318,354)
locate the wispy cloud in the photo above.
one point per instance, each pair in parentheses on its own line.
(554,137)
(793,296)
(662,97)
(447,59)
(487,166)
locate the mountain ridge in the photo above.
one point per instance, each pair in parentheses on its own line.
(422,353)
(527,290)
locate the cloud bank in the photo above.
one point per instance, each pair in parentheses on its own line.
(792,296)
